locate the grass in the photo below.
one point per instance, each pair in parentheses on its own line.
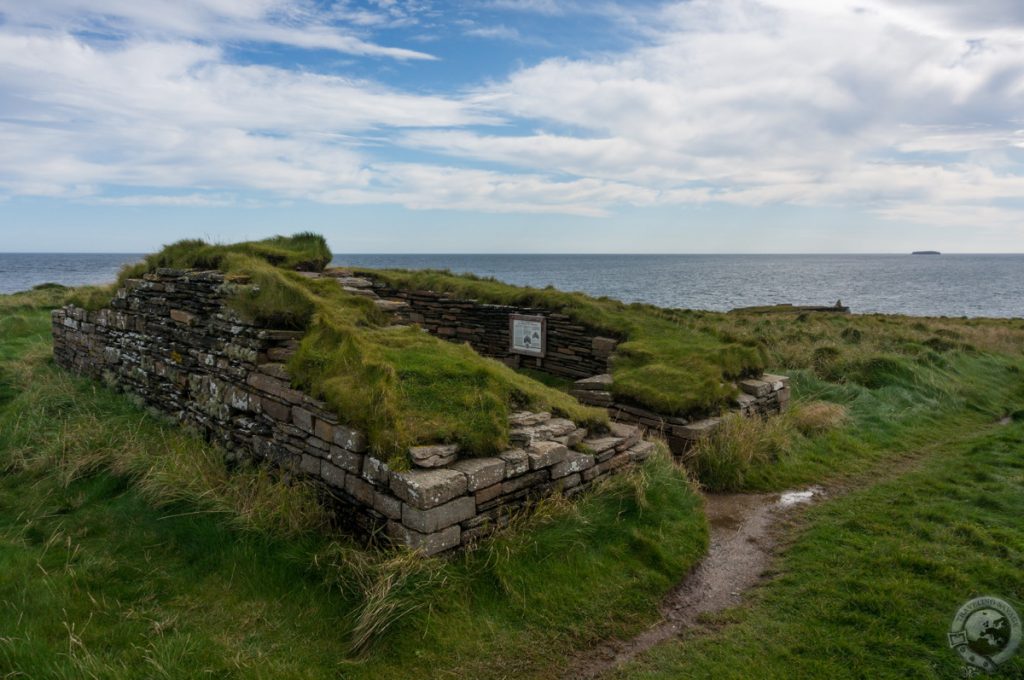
(127,551)
(398,384)
(870,585)
(667,360)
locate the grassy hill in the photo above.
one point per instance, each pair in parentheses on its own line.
(127,550)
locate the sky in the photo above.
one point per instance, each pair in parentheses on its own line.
(520,126)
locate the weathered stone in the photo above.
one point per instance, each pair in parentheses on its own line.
(350,439)
(777,381)
(546,454)
(324,430)
(181,316)
(275,409)
(602,444)
(757,388)
(427,544)
(309,465)
(425,489)
(604,345)
(697,430)
(528,419)
(516,462)
(302,419)
(345,459)
(275,370)
(641,451)
(524,481)
(390,306)
(488,493)
(376,471)
(600,383)
(332,474)
(359,489)
(387,505)
(439,517)
(481,472)
(574,462)
(570,481)
(275,388)
(593,397)
(560,427)
(630,434)
(616,461)
(433,456)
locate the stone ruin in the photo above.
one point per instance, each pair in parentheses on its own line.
(171,340)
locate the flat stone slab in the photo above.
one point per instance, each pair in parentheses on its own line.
(697,430)
(424,489)
(602,444)
(528,419)
(757,388)
(574,462)
(516,462)
(481,472)
(778,382)
(545,454)
(390,305)
(433,456)
(428,544)
(601,382)
(440,517)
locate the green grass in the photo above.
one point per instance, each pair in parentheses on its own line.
(667,360)
(870,585)
(126,551)
(399,385)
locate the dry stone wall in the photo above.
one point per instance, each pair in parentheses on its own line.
(573,350)
(170,339)
(764,396)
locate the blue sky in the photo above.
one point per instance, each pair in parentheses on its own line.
(514,125)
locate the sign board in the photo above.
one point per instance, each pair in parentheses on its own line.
(527,335)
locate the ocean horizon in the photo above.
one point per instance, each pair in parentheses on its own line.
(951,284)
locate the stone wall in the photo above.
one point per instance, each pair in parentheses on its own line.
(171,340)
(573,350)
(762,397)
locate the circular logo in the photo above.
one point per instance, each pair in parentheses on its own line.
(985,633)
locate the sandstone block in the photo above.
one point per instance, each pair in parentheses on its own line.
(439,517)
(757,388)
(428,544)
(309,465)
(602,444)
(359,489)
(425,489)
(433,456)
(302,419)
(345,459)
(387,505)
(697,430)
(332,474)
(516,462)
(181,316)
(641,451)
(601,383)
(574,462)
(487,493)
(376,471)
(350,439)
(546,454)
(481,472)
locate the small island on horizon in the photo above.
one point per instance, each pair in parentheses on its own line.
(926,252)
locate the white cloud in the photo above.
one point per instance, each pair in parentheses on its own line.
(908,108)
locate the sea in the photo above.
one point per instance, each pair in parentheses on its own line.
(920,285)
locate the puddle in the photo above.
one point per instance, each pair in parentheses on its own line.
(791,498)
(740,550)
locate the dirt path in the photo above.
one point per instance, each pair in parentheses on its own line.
(740,551)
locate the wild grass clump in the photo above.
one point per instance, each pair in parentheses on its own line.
(304,251)
(817,417)
(722,460)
